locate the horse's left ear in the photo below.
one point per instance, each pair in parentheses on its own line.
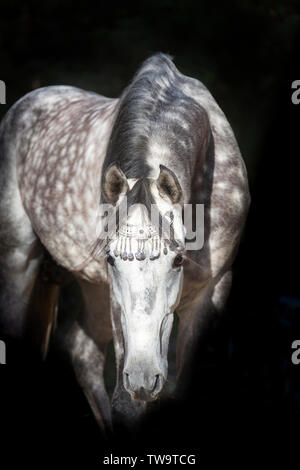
(168,185)
(115,183)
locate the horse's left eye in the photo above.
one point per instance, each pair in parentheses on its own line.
(110,260)
(178,260)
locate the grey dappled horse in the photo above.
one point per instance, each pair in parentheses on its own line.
(63,151)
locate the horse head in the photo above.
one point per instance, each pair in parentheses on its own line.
(145,268)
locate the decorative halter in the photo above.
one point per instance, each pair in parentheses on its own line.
(146,237)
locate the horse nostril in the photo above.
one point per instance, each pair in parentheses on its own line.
(155,382)
(126,381)
(158,385)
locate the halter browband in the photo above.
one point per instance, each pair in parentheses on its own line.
(144,235)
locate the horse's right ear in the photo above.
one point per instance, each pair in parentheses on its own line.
(115,183)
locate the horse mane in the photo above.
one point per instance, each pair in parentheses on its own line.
(154,90)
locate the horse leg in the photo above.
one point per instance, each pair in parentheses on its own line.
(194,318)
(28,301)
(125,412)
(86,343)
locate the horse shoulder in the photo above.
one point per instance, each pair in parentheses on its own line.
(56,140)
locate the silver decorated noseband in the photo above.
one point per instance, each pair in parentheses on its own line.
(148,241)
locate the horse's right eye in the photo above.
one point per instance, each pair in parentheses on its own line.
(110,260)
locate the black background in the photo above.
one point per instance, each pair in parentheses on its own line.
(245,392)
